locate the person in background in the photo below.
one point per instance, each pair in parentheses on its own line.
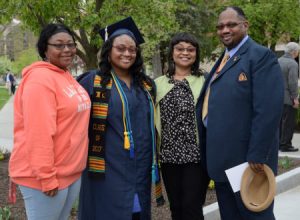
(51,114)
(12,82)
(183,174)
(122,153)
(290,71)
(239,112)
(7,81)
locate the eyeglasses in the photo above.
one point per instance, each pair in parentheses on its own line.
(70,46)
(183,49)
(122,49)
(229,25)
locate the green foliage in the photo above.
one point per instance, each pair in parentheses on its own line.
(75,207)
(199,18)
(211,185)
(5,213)
(4,96)
(270,20)
(1,156)
(4,154)
(5,64)
(157,19)
(297,128)
(23,59)
(285,162)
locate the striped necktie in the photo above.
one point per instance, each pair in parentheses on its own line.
(205,102)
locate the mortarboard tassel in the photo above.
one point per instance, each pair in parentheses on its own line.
(126,140)
(106,34)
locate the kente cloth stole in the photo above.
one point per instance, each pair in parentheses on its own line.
(96,157)
(96,152)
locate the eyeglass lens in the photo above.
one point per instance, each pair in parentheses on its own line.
(228,25)
(188,49)
(122,49)
(62,46)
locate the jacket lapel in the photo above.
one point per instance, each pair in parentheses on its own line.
(235,59)
(165,88)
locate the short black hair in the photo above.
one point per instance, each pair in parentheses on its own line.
(238,10)
(188,38)
(47,32)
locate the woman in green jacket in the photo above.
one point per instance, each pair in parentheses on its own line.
(184,177)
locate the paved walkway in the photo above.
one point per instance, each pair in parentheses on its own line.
(286,204)
(6,125)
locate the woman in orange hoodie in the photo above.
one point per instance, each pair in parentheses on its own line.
(51,114)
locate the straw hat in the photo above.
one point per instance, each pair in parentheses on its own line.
(258,189)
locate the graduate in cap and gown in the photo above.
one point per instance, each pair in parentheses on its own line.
(116,184)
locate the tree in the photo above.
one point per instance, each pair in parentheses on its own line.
(5,64)
(272,20)
(155,18)
(24,58)
(198,18)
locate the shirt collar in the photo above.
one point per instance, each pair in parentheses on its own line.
(235,49)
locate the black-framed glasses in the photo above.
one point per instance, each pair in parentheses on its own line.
(70,46)
(122,49)
(187,49)
(229,25)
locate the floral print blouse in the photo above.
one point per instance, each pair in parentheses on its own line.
(178,120)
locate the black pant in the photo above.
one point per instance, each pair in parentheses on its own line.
(186,186)
(12,88)
(287,126)
(136,216)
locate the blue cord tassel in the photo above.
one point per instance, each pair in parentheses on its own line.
(156,173)
(131,145)
(153,174)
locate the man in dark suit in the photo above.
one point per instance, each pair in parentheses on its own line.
(239,112)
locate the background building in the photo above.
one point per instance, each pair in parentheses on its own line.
(14,39)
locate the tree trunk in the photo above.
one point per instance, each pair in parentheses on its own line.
(272,46)
(156,64)
(91,61)
(89,57)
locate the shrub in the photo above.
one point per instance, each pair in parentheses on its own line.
(5,213)
(285,162)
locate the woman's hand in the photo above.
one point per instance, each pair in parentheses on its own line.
(51,192)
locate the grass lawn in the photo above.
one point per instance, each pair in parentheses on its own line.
(3,96)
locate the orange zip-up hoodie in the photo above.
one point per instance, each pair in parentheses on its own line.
(51,117)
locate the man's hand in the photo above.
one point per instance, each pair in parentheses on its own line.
(51,192)
(257,167)
(296,103)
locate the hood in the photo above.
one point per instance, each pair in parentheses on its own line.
(43,65)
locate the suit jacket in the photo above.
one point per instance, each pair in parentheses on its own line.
(244,111)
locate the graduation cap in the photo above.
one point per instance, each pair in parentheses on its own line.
(125,26)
